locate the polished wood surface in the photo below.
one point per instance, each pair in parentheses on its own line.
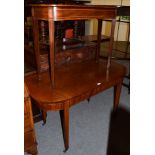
(75,83)
(66,85)
(82,77)
(61,12)
(73,12)
(30,145)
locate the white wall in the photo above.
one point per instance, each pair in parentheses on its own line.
(111,2)
(91,26)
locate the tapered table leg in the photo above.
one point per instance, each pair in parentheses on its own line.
(44,115)
(88,100)
(51,51)
(64,115)
(36,46)
(111,42)
(99,38)
(117,92)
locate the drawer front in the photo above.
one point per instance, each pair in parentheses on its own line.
(70,56)
(75,55)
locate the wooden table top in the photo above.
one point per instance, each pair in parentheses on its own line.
(59,12)
(72,80)
(73,5)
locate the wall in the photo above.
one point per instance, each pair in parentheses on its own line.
(122,34)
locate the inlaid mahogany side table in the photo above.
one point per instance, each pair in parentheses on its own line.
(62,12)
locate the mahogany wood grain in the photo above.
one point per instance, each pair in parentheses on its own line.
(75,83)
(52,49)
(73,12)
(30,145)
(99,38)
(36,45)
(64,116)
(111,41)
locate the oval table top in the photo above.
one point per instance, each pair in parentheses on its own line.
(73,80)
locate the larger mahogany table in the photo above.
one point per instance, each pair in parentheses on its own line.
(74,83)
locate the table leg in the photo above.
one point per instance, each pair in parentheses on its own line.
(52,50)
(117,92)
(36,46)
(111,42)
(33,150)
(99,38)
(64,115)
(127,85)
(44,115)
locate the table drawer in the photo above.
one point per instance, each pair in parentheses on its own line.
(75,55)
